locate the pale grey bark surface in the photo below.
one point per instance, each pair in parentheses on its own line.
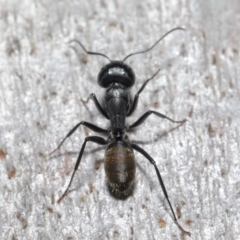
(42,82)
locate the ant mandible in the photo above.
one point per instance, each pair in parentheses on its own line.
(119,163)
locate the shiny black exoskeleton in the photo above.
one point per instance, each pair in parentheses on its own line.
(117,77)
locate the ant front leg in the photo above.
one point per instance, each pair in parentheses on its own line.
(88,125)
(98,105)
(147,114)
(135,100)
(95,139)
(151,160)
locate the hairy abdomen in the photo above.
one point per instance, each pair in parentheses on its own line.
(120,168)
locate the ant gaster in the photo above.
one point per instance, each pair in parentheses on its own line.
(119,162)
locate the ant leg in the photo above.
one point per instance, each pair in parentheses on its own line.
(147,114)
(87,124)
(135,100)
(98,106)
(150,159)
(95,139)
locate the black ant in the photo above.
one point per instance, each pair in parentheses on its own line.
(117,77)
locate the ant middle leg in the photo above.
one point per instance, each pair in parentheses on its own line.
(147,114)
(88,125)
(136,97)
(95,139)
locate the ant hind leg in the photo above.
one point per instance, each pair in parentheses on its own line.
(96,139)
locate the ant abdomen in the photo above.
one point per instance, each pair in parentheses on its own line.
(120,168)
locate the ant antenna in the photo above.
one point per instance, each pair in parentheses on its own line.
(146,50)
(88,52)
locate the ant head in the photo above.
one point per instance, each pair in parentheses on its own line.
(116,72)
